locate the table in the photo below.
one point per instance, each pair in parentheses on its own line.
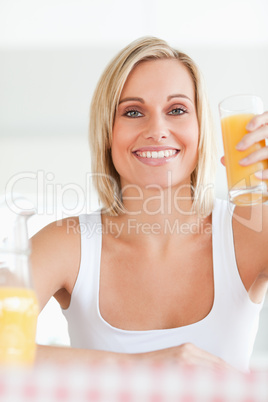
(123,382)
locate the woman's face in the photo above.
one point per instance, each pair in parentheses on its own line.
(156,129)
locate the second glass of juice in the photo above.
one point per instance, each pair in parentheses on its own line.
(243,186)
(18,301)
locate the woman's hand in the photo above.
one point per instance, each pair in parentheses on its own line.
(257,130)
(188,354)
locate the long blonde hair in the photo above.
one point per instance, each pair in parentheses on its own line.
(103,108)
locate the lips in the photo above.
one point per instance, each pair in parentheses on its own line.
(155,156)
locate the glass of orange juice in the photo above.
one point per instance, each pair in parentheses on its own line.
(18,301)
(244,187)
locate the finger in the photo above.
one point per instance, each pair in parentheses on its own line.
(191,354)
(257,121)
(262,174)
(216,363)
(257,156)
(210,359)
(223,160)
(253,137)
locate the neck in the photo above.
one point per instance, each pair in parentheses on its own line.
(160,213)
(155,204)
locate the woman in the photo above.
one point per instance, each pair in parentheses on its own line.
(173,273)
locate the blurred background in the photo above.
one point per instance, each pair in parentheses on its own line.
(51,55)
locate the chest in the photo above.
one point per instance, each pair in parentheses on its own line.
(143,291)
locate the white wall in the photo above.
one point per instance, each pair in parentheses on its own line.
(51,55)
(54,23)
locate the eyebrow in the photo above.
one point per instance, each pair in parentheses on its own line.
(137,99)
(178,96)
(131,99)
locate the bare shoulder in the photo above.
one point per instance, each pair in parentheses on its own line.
(64,230)
(250,226)
(56,258)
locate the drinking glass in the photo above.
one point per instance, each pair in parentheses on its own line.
(244,188)
(18,301)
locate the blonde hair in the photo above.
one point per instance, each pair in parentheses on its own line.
(103,108)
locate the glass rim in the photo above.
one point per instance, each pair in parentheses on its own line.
(237,96)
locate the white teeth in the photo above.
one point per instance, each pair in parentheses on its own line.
(157,154)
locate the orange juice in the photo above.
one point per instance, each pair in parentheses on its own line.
(242,182)
(18,319)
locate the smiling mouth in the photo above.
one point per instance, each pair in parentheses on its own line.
(167,153)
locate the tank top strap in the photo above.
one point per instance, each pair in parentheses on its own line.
(228,282)
(91,243)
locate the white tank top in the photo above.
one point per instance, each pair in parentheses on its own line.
(228,331)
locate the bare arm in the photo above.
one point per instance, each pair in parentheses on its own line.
(183,354)
(250,224)
(55,259)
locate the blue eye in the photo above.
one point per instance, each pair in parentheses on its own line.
(133,113)
(177,111)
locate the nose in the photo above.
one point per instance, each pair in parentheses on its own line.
(156,128)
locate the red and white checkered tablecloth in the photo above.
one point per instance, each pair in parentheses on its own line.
(113,382)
